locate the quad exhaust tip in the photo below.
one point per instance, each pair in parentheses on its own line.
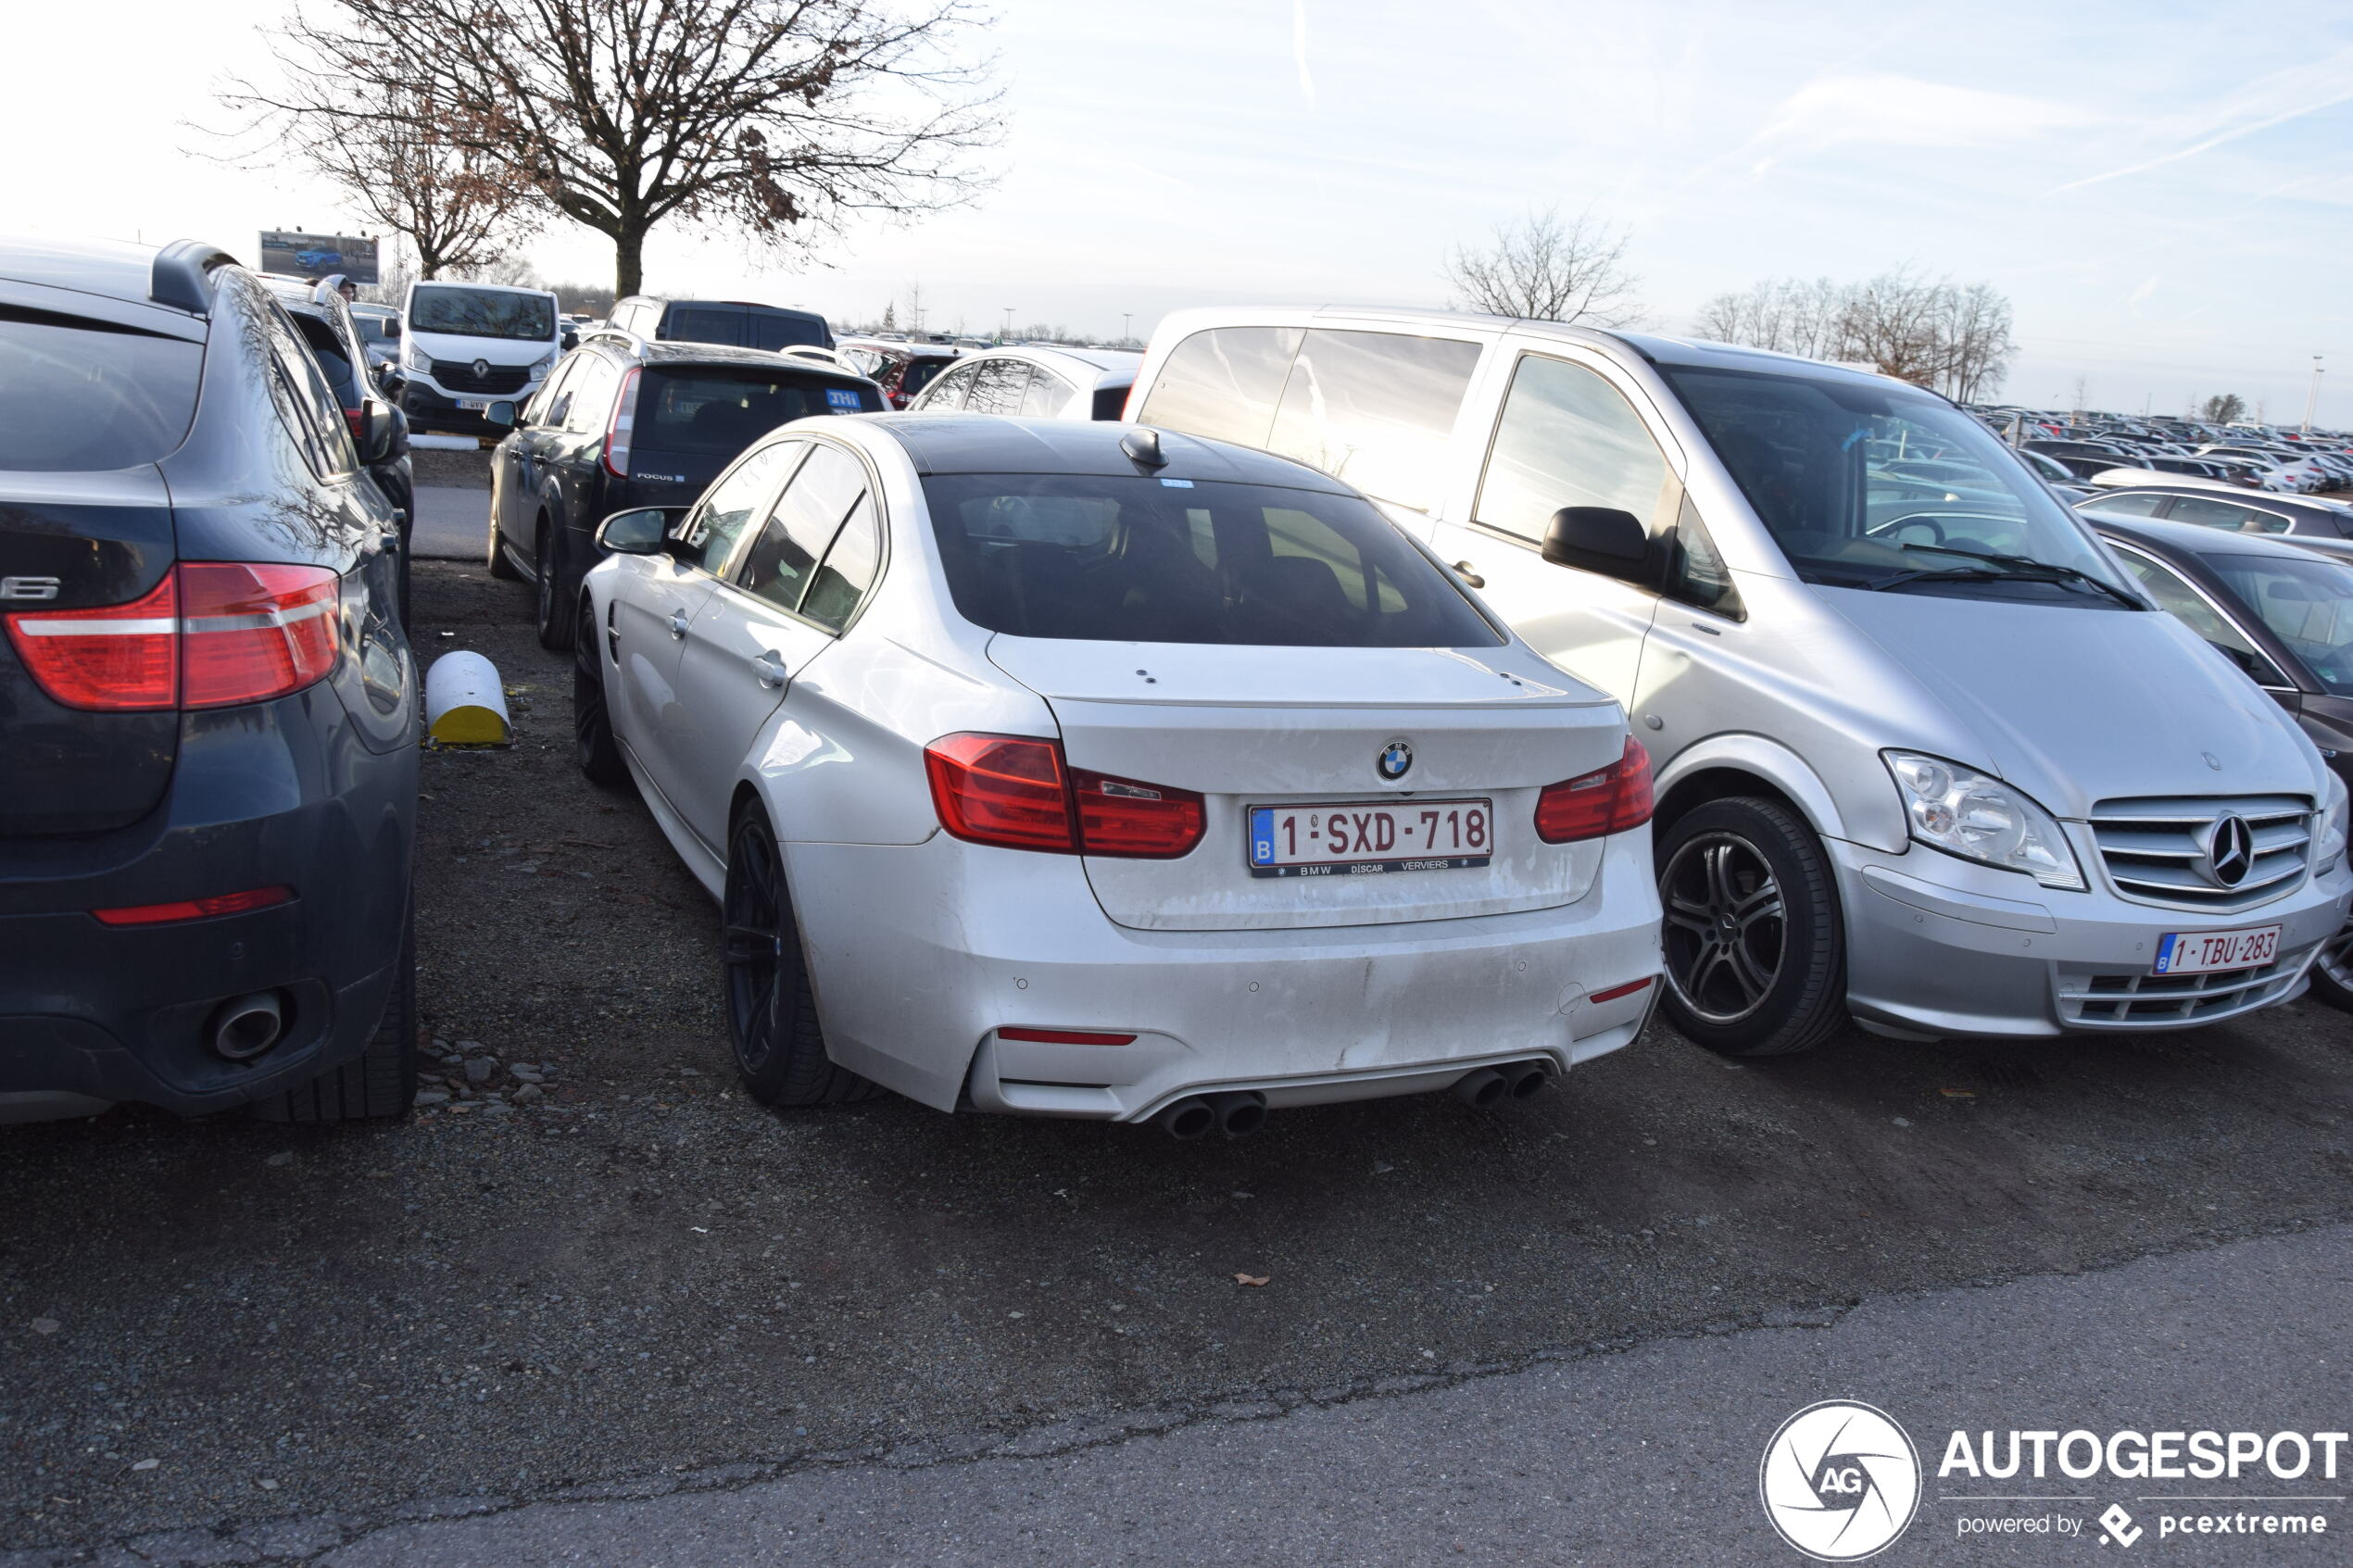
(1484,1089)
(1236,1112)
(244,1027)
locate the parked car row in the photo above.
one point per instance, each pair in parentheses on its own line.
(1391,701)
(2254,457)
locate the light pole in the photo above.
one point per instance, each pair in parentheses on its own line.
(1126,334)
(2312,398)
(1007,334)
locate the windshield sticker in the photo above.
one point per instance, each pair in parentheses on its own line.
(1178,484)
(843,398)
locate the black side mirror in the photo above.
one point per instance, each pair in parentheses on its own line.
(644,532)
(392,326)
(375,432)
(500,413)
(1600,539)
(572,340)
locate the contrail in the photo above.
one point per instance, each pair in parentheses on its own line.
(1299,50)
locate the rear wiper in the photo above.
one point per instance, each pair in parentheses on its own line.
(2027,569)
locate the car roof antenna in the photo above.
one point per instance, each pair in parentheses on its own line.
(1143,445)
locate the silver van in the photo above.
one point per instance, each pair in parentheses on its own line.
(1925,755)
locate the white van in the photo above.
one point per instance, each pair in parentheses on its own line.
(464,345)
(1927,758)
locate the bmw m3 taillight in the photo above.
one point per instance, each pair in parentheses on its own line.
(1013,791)
(211,634)
(1593,805)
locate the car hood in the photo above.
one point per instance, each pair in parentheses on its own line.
(505,353)
(2079,705)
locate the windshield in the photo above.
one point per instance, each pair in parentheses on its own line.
(1882,487)
(1127,558)
(723,411)
(2308,605)
(482,313)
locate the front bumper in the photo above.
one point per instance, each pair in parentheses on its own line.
(1941,947)
(430,408)
(278,793)
(921,953)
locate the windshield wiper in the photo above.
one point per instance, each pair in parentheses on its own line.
(2025,568)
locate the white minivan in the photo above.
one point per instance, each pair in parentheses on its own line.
(1927,756)
(464,345)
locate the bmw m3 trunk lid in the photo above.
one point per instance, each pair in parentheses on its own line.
(76,541)
(1248,726)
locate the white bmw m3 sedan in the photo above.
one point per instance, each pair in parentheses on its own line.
(1082,770)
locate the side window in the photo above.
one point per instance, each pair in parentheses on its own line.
(848,572)
(1376,410)
(547,408)
(705,323)
(591,395)
(801,527)
(2175,594)
(1222,383)
(712,528)
(999,387)
(2213,514)
(1047,394)
(1568,438)
(1696,574)
(951,390)
(320,428)
(2124,504)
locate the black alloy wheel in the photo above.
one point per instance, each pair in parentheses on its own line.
(594,746)
(772,1011)
(554,626)
(1755,950)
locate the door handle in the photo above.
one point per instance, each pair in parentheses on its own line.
(677,622)
(1463,570)
(769,670)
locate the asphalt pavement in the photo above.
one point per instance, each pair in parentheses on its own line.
(452,524)
(590,1269)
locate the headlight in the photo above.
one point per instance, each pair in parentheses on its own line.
(542,367)
(415,357)
(2328,834)
(1963,812)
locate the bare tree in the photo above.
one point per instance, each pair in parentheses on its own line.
(2223,408)
(1929,333)
(777,118)
(1543,270)
(388,155)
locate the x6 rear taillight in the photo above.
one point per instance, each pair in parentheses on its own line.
(1015,791)
(1593,805)
(211,634)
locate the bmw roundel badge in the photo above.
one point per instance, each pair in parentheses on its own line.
(1394,760)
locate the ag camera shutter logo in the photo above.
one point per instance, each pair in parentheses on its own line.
(1840,1481)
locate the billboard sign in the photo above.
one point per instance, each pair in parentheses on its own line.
(316,255)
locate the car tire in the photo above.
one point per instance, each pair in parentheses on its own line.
(503,568)
(1754,948)
(2333,971)
(598,752)
(772,1010)
(554,624)
(381,1083)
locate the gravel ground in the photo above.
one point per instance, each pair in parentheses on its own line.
(636,1275)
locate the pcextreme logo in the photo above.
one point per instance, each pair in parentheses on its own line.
(1840,1481)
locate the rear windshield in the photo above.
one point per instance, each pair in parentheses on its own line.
(1127,558)
(77,396)
(724,411)
(481,313)
(779,329)
(919,373)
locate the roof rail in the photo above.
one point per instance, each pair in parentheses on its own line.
(624,333)
(182,275)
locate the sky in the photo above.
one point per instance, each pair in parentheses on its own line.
(2164,191)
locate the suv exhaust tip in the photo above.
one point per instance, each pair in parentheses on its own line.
(246,1026)
(1522,1079)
